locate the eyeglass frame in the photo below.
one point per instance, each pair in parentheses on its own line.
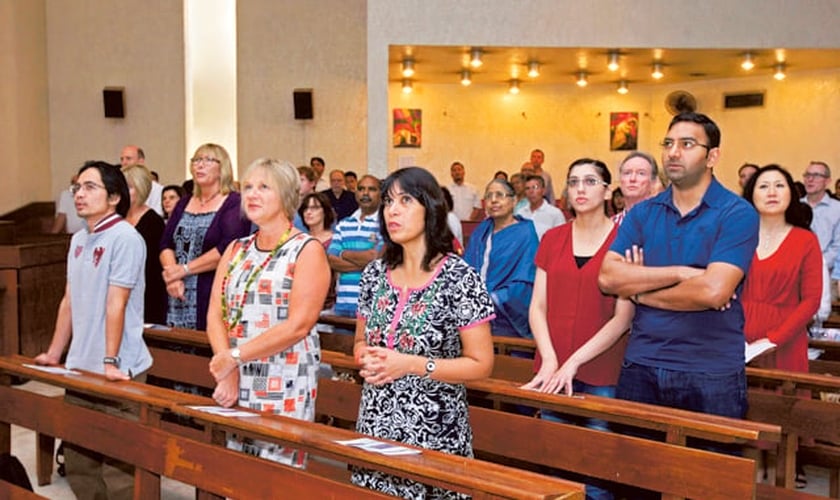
(495,195)
(86,187)
(681,144)
(205,160)
(588,181)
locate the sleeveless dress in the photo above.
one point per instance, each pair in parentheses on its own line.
(422,321)
(284,383)
(189,239)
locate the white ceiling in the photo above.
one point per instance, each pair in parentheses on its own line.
(443,64)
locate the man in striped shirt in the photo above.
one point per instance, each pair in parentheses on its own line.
(356,241)
(636,174)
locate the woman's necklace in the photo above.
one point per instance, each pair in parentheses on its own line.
(231,323)
(202,203)
(771,239)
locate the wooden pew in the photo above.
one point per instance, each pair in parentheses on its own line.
(829,362)
(10,491)
(340,400)
(213,468)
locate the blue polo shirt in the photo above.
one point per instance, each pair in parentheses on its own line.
(722,228)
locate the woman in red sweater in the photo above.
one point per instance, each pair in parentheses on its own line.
(784,284)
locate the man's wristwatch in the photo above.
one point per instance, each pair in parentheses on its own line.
(236,355)
(111,360)
(430,367)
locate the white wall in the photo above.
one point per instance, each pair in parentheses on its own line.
(93,44)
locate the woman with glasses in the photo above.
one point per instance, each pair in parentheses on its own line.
(502,250)
(200,228)
(576,327)
(784,285)
(317,216)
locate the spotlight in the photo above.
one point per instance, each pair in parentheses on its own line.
(407,86)
(612,60)
(582,79)
(622,87)
(514,87)
(748,62)
(780,71)
(408,67)
(533,69)
(466,77)
(657,73)
(475,57)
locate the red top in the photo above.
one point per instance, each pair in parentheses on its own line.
(781,294)
(576,307)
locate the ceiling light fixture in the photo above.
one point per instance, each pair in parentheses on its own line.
(622,87)
(657,73)
(408,67)
(513,88)
(612,60)
(466,78)
(407,86)
(780,71)
(533,69)
(582,79)
(475,57)
(748,62)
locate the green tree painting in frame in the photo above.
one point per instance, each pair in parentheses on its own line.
(408,125)
(624,131)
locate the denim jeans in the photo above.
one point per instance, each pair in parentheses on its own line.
(596,489)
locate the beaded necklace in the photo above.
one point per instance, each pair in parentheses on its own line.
(238,311)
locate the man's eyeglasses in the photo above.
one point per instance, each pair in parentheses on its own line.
(814,175)
(203,159)
(86,187)
(587,181)
(682,144)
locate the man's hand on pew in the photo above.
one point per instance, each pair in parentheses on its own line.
(114,373)
(46,359)
(227,390)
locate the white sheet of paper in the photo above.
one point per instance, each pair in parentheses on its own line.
(57,370)
(751,350)
(224,412)
(375,446)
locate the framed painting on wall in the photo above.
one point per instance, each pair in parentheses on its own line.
(408,125)
(624,131)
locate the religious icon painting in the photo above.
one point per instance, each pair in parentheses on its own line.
(624,131)
(408,127)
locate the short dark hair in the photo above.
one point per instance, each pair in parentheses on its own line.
(318,159)
(423,187)
(502,172)
(797,213)
(308,172)
(537,178)
(329,213)
(747,165)
(114,182)
(709,126)
(350,173)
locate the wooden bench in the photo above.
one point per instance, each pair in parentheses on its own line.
(11,491)
(829,362)
(214,469)
(340,400)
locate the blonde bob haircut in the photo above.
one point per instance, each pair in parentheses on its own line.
(283,177)
(139,177)
(225,166)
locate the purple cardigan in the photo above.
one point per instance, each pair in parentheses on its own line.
(228,225)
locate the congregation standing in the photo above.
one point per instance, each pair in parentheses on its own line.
(684,265)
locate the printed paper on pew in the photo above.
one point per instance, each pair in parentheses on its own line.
(155,326)
(224,412)
(751,350)
(55,370)
(375,446)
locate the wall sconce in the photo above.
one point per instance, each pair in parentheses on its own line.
(748,62)
(622,87)
(582,79)
(407,86)
(408,67)
(513,88)
(533,69)
(657,73)
(475,57)
(612,60)
(466,77)
(780,71)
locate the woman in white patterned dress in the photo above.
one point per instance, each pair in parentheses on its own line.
(422,331)
(261,320)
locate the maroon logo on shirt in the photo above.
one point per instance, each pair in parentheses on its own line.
(78,251)
(97,255)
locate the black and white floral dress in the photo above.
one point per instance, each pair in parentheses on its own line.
(423,321)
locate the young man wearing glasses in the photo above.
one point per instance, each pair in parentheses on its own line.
(682,258)
(544,215)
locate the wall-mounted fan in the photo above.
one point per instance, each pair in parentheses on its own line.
(680,101)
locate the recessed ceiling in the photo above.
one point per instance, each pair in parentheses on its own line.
(443,64)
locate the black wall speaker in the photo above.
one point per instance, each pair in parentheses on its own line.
(114,101)
(303,104)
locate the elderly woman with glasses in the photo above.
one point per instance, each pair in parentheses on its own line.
(198,231)
(502,250)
